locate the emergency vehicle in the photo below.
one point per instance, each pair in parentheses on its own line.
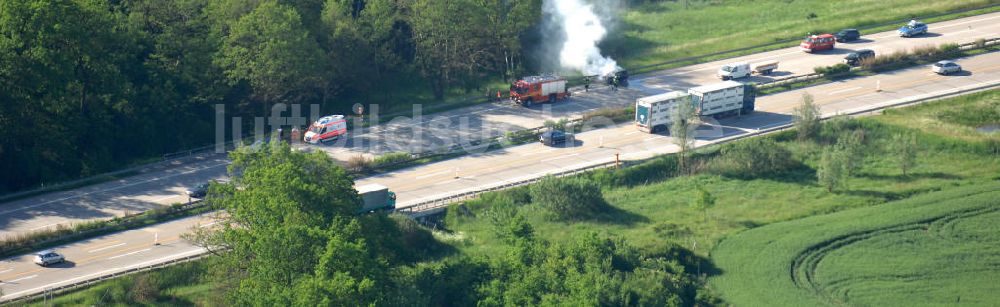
(530,90)
(325,129)
(818,42)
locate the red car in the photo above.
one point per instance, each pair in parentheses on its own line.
(818,42)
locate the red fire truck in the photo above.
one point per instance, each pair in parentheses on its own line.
(530,90)
(818,42)
(326,128)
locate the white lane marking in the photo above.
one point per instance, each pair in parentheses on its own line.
(46,226)
(434,174)
(560,157)
(654,138)
(22,278)
(207,225)
(844,90)
(129,254)
(967,21)
(112,189)
(5,271)
(633,132)
(106,247)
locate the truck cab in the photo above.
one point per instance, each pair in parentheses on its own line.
(733,71)
(820,42)
(327,128)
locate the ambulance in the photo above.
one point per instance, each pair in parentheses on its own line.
(327,128)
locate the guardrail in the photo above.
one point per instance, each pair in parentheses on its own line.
(432,206)
(813,76)
(84,283)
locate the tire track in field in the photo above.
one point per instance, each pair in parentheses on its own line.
(803,268)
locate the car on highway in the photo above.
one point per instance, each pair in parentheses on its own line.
(47,257)
(847,35)
(946,67)
(855,58)
(820,42)
(553,137)
(198,191)
(913,28)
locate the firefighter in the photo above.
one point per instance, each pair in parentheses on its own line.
(586,85)
(499,97)
(614,83)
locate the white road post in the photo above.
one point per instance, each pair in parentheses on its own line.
(878,85)
(156,238)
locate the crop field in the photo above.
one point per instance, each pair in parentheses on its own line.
(657,32)
(941,248)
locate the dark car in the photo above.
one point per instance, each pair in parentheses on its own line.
(554,137)
(847,35)
(620,75)
(855,58)
(198,191)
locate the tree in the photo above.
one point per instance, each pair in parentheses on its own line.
(703,201)
(271,50)
(905,146)
(683,123)
(850,145)
(291,232)
(807,117)
(831,173)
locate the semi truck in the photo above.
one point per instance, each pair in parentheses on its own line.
(376,197)
(653,114)
(532,89)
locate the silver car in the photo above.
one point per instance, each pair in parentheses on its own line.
(45,258)
(946,67)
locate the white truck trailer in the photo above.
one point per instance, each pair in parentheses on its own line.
(653,114)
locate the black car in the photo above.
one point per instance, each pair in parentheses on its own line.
(554,137)
(847,35)
(855,58)
(198,191)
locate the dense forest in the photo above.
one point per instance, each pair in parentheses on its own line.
(87,86)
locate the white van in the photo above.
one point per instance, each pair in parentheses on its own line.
(734,71)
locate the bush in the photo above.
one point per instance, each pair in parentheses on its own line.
(832,71)
(753,157)
(391,158)
(358,163)
(520,136)
(568,199)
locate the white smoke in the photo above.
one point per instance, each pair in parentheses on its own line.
(583,31)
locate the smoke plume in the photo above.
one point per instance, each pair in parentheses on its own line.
(582,30)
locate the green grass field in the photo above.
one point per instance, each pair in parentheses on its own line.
(941,248)
(658,32)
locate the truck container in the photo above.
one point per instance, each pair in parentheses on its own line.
(723,99)
(532,89)
(376,197)
(653,114)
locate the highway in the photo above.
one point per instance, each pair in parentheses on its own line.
(135,248)
(165,185)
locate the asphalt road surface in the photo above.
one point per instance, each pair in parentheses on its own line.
(121,251)
(165,185)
